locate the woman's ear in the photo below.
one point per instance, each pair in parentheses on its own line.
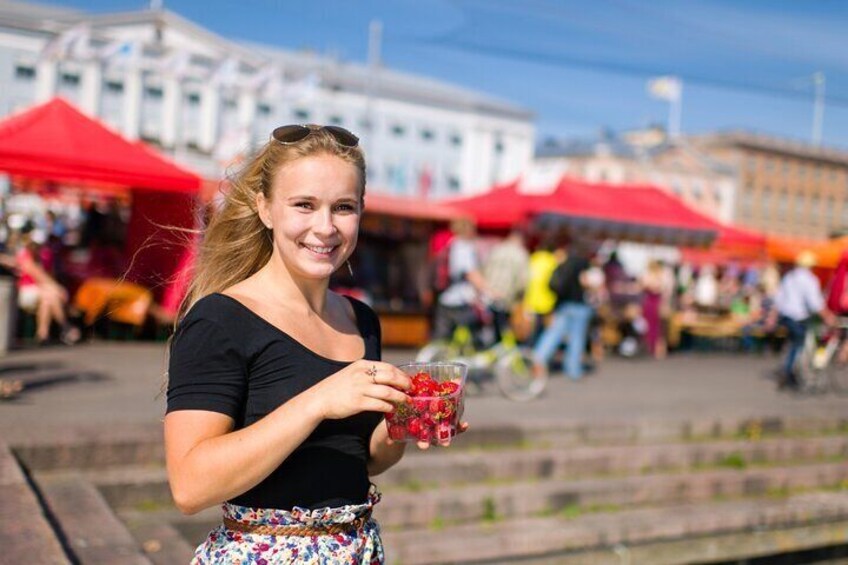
(262,209)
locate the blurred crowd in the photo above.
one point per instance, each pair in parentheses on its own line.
(574,302)
(50,251)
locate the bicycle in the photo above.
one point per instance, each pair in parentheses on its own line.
(512,366)
(822,364)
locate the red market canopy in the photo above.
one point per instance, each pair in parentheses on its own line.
(54,141)
(498,209)
(412,208)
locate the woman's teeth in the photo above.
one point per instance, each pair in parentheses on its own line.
(323,250)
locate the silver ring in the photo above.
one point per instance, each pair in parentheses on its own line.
(372,372)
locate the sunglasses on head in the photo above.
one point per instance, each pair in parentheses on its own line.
(295,133)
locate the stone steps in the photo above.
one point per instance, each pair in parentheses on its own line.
(546,537)
(99,451)
(93,532)
(132,486)
(447,506)
(570,493)
(26,535)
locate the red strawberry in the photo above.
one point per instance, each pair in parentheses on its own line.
(425,433)
(396,432)
(445,430)
(413,427)
(448,387)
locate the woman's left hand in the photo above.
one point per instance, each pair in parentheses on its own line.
(462,427)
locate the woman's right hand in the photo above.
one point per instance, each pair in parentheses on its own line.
(362,386)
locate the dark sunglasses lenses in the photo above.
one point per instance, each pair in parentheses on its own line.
(294,133)
(342,136)
(291,134)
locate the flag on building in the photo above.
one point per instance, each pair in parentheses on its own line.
(227,73)
(71,43)
(667,88)
(176,64)
(122,53)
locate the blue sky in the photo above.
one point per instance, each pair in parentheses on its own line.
(580,66)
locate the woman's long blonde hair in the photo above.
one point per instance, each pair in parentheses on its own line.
(236,244)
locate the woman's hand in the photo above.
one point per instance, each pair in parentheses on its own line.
(462,427)
(362,386)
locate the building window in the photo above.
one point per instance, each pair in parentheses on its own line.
(499,147)
(193,99)
(782,205)
(229,103)
(264,109)
(453,183)
(398,130)
(456,140)
(427,134)
(24,72)
(114,87)
(335,120)
(153,92)
(70,79)
(301,114)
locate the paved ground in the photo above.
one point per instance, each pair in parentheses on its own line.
(113,388)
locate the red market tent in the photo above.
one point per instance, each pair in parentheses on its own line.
(56,142)
(498,209)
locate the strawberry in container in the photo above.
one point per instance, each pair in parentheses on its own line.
(435,405)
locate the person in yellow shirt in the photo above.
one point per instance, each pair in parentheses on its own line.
(539,299)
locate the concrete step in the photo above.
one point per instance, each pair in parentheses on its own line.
(161,542)
(105,449)
(94,534)
(26,535)
(499,540)
(420,471)
(816,544)
(146,486)
(487,502)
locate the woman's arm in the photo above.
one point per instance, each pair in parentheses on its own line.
(209,463)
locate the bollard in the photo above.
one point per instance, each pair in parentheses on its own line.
(8,313)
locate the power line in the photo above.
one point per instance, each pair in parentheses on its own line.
(617,67)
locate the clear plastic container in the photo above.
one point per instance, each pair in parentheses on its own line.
(435,406)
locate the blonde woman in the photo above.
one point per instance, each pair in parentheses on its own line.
(276,392)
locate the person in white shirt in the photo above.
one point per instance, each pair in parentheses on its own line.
(456,304)
(799,297)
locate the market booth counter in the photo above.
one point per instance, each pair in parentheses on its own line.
(390,264)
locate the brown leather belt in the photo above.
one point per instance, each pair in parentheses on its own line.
(294,530)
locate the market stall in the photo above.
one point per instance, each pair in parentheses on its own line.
(56,143)
(390,263)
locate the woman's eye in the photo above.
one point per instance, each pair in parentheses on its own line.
(306,205)
(346,208)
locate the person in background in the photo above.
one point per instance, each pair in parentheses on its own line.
(539,299)
(799,297)
(456,304)
(505,273)
(39,292)
(572,315)
(656,304)
(706,288)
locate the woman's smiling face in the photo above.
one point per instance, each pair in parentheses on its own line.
(314,212)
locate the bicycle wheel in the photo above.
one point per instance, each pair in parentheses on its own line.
(811,368)
(519,376)
(838,375)
(434,351)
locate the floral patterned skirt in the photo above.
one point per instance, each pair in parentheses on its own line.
(227,547)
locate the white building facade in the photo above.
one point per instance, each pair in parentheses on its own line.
(207,101)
